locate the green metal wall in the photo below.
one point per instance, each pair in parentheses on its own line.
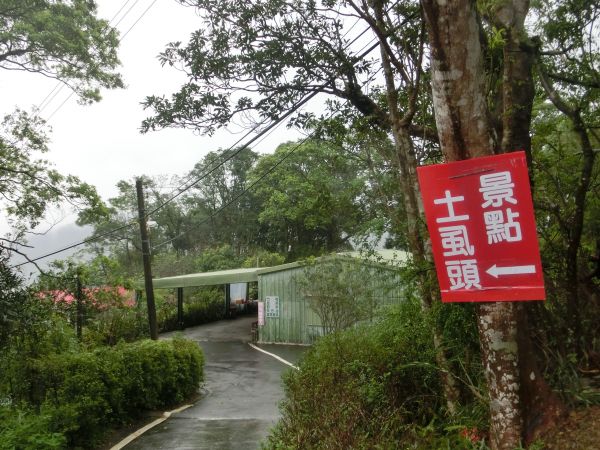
(297,322)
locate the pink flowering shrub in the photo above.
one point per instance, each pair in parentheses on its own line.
(103,298)
(59,298)
(96,298)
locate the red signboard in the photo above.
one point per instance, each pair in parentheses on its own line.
(480,218)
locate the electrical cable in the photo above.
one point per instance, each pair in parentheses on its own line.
(62,85)
(253,184)
(138,19)
(293,108)
(126,13)
(95,238)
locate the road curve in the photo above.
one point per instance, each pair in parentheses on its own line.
(240,397)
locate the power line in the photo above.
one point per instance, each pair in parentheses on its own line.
(183,186)
(58,87)
(138,19)
(69,247)
(268,129)
(124,15)
(62,85)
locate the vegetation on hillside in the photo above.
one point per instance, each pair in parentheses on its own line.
(403,94)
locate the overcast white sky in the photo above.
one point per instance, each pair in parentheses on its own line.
(101,143)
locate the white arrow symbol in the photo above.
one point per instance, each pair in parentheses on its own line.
(496,271)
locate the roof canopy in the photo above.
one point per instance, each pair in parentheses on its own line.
(247,275)
(207,278)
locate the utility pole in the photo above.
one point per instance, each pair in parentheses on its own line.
(146,259)
(180,308)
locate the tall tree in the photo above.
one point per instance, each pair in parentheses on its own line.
(566,59)
(314,202)
(29,185)
(114,223)
(218,202)
(521,402)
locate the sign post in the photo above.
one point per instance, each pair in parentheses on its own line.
(480,218)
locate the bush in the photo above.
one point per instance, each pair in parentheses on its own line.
(364,387)
(203,305)
(24,430)
(114,325)
(80,395)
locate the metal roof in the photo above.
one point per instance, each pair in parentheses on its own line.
(247,275)
(208,278)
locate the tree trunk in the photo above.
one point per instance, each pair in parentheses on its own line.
(407,165)
(462,118)
(541,407)
(497,325)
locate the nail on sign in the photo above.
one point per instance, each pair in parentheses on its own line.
(480,218)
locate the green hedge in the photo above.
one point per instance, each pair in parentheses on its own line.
(377,386)
(81,395)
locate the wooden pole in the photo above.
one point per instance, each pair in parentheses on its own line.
(146,260)
(227,301)
(180,308)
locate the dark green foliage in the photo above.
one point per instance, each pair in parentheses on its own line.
(203,305)
(316,201)
(25,430)
(129,324)
(115,325)
(81,394)
(377,386)
(65,40)
(362,388)
(458,326)
(222,257)
(54,392)
(12,299)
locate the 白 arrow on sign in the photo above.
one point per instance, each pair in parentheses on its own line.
(496,271)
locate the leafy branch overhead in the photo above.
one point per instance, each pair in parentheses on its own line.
(252,61)
(61,39)
(29,185)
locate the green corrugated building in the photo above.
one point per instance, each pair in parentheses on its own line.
(285,314)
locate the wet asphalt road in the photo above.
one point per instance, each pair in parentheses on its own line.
(239,401)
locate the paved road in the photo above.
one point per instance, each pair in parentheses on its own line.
(240,396)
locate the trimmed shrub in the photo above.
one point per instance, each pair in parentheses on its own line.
(129,324)
(83,394)
(377,386)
